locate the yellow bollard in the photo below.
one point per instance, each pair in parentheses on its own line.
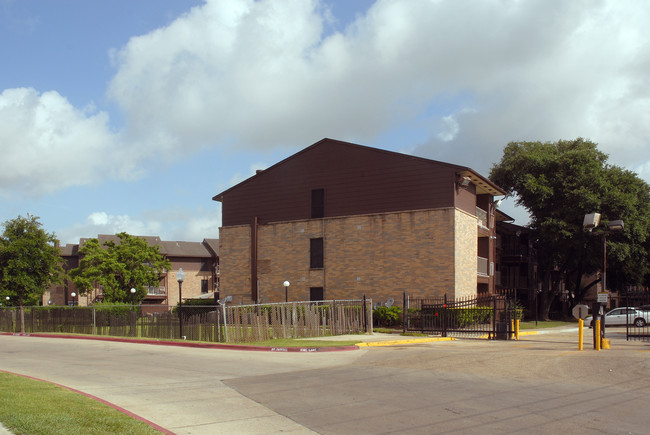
(581,333)
(512,328)
(517,329)
(597,336)
(606,344)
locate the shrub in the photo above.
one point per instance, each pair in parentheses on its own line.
(387,316)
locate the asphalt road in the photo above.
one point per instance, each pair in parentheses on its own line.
(540,384)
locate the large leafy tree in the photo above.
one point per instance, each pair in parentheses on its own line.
(118,267)
(558,183)
(29,262)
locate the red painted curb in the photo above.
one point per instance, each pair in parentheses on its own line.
(105,402)
(193,344)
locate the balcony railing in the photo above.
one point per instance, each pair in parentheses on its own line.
(156,291)
(482,266)
(482,217)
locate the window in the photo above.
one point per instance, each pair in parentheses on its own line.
(204,285)
(317,203)
(316,253)
(315,294)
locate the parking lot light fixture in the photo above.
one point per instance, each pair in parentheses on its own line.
(180,277)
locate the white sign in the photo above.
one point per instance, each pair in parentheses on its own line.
(602,297)
(580,311)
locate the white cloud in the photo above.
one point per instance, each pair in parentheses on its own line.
(47,144)
(262,74)
(168,224)
(103,223)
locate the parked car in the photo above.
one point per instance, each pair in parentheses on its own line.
(623,316)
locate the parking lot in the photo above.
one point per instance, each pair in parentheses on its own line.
(540,384)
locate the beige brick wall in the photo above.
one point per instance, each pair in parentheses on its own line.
(191,284)
(379,255)
(466,234)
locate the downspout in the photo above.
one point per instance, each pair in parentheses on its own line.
(254,234)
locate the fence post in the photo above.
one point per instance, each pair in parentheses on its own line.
(365,315)
(94,321)
(494,317)
(225,326)
(405,313)
(444,316)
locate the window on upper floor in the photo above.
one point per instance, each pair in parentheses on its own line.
(315,294)
(317,203)
(316,253)
(204,285)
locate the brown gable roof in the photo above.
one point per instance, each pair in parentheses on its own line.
(212,245)
(69,250)
(169,249)
(483,184)
(185,249)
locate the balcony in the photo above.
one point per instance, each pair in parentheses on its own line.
(482,267)
(156,291)
(482,217)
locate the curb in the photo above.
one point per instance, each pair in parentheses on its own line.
(105,402)
(193,344)
(411,341)
(521,334)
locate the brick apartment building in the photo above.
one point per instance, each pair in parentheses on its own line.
(199,260)
(339,220)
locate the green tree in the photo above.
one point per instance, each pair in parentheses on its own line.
(119,267)
(29,262)
(558,183)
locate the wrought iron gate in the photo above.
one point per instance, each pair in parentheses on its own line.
(640,299)
(473,316)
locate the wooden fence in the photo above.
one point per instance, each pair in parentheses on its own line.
(233,324)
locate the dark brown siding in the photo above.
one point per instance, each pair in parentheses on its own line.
(466,198)
(356,180)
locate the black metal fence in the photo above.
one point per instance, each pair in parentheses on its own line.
(492,316)
(638,297)
(238,324)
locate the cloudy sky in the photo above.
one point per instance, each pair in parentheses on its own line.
(129,115)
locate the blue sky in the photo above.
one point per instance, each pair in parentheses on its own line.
(130,115)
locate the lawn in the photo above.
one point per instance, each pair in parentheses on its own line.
(29,406)
(545,324)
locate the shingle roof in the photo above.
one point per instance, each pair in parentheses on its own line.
(185,249)
(207,248)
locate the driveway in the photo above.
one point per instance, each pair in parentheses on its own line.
(540,384)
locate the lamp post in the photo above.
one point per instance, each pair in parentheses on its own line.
(180,277)
(133,290)
(73,294)
(286,291)
(590,222)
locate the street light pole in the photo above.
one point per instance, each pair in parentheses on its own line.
(180,277)
(133,298)
(286,291)
(590,222)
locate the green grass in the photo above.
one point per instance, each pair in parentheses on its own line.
(544,324)
(28,406)
(276,342)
